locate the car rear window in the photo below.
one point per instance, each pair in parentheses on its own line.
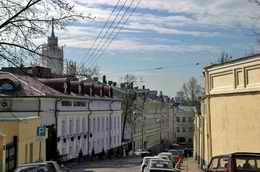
(247,164)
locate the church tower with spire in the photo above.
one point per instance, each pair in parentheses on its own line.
(53,57)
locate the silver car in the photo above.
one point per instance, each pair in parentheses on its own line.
(46,166)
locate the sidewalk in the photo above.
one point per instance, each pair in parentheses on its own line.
(190,165)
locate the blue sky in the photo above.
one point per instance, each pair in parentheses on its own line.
(175,35)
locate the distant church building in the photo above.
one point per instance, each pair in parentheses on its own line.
(53,54)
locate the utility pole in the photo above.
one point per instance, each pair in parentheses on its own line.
(143,119)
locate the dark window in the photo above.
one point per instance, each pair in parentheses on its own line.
(78,137)
(64,140)
(183,130)
(183,119)
(72,139)
(178,119)
(181,139)
(66,103)
(178,129)
(79,103)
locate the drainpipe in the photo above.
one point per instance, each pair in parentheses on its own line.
(39,106)
(90,113)
(110,124)
(56,121)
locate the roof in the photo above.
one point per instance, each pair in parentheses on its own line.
(29,86)
(17,116)
(34,87)
(186,108)
(233,61)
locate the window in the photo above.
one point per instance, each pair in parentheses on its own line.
(183,119)
(66,103)
(190,129)
(223,162)
(77,126)
(190,140)
(94,125)
(98,124)
(102,124)
(181,139)
(107,124)
(178,129)
(190,119)
(84,125)
(178,119)
(63,127)
(71,126)
(183,129)
(119,122)
(79,103)
(214,163)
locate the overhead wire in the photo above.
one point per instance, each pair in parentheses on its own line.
(111,36)
(102,29)
(90,56)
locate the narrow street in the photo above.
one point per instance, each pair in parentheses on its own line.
(126,165)
(114,165)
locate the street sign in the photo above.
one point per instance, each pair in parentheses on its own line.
(41,131)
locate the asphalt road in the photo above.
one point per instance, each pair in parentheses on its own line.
(115,165)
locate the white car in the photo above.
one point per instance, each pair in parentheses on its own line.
(159,165)
(141,152)
(45,166)
(146,160)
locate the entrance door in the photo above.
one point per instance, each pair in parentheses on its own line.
(11,155)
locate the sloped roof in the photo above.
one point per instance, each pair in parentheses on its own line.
(29,86)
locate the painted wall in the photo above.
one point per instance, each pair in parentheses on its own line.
(25,130)
(230,108)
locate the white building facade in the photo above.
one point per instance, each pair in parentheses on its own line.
(75,123)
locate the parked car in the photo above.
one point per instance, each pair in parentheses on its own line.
(235,162)
(142,153)
(146,160)
(169,157)
(46,166)
(159,165)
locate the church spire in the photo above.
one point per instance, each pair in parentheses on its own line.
(52,28)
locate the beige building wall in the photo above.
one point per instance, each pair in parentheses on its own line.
(25,130)
(230,109)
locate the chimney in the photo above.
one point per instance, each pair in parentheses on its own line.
(111,92)
(67,89)
(91,90)
(104,79)
(110,83)
(95,79)
(101,91)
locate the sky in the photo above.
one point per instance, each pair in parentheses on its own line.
(164,42)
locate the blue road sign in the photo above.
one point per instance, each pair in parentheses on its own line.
(41,131)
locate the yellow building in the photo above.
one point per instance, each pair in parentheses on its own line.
(229,119)
(19,143)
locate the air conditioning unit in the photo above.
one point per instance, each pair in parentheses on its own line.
(5,105)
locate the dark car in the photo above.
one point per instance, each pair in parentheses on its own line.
(235,162)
